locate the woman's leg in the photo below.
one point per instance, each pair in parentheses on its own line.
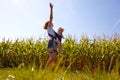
(52,55)
(51,60)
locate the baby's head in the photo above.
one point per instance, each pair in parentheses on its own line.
(60,30)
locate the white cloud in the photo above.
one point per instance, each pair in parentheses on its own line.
(18,3)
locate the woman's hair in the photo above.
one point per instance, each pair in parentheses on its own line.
(46,25)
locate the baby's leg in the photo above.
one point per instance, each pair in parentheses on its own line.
(59,46)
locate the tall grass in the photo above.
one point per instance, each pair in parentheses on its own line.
(31,74)
(99,54)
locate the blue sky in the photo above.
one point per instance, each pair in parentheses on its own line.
(25,18)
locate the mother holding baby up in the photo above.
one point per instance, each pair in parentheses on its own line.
(53,38)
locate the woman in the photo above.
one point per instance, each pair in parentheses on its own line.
(51,47)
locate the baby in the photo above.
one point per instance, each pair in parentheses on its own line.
(59,38)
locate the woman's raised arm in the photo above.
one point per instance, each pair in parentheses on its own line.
(51,15)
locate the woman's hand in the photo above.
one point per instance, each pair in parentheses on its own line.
(51,5)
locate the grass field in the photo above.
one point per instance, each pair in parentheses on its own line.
(86,59)
(35,74)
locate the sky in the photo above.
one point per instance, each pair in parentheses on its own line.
(25,18)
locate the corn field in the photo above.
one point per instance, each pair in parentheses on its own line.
(101,53)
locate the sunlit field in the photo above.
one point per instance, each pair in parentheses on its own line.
(86,59)
(31,74)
